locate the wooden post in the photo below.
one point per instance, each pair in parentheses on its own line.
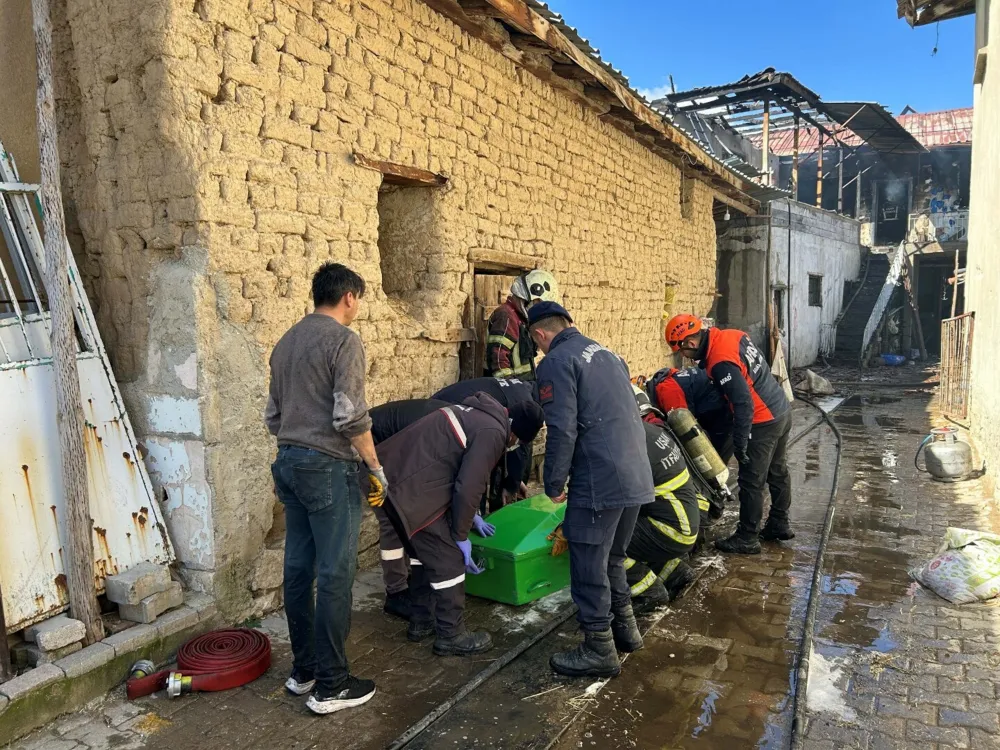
(765,145)
(69,413)
(795,159)
(819,172)
(6,672)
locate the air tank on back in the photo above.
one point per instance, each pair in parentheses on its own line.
(703,454)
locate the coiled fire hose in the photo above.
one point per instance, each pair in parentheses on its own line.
(219,660)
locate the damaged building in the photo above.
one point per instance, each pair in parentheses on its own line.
(215,153)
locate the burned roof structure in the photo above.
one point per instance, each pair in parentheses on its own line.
(923,12)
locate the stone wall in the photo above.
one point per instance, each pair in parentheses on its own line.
(208,152)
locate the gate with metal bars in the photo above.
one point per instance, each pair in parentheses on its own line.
(956,364)
(128,526)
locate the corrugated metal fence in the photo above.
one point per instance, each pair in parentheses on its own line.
(956,364)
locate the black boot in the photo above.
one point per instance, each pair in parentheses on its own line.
(776,531)
(681,577)
(653,597)
(739,544)
(595,657)
(463,644)
(624,629)
(398,604)
(417,631)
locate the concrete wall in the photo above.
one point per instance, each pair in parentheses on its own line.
(822,243)
(207,153)
(983,270)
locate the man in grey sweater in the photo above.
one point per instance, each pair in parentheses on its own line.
(317,410)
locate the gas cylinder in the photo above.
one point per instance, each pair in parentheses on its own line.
(703,454)
(947,458)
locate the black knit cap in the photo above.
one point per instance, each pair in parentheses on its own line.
(526,419)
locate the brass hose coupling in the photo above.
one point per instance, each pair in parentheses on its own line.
(178,685)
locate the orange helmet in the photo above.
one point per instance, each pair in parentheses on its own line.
(680,327)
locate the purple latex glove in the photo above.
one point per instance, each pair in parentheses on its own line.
(481,527)
(470,567)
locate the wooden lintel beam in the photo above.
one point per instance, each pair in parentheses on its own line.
(573,72)
(500,260)
(400,174)
(475,8)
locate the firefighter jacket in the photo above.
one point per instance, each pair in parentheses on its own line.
(691,389)
(739,369)
(443,462)
(508,391)
(510,352)
(595,436)
(675,513)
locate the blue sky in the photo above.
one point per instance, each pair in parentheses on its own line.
(844,50)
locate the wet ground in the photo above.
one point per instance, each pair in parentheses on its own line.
(894,665)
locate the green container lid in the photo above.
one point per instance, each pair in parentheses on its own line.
(522,528)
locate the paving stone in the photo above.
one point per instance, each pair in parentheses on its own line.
(954,736)
(955,671)
(147,610)
(131,639)
(30,653)
(49,743)
(988,721)
(4,700)
(888,706)
(70,722)
(981,740)
(137,583)
(86,660)
(55,633)
(975,687)
(955,701)
(176,621)
(31,680)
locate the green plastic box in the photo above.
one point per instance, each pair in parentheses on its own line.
(519,567)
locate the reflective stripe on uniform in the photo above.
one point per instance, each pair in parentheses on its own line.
(674,484)
(629,562)
(648,580)
(703,503)
(504,341)
(506,372)
(391,554)
(415,561)
(522,369)
(449,583)
(456,426)
(669,568)
(670,531)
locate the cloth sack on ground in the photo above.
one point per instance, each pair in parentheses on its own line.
(966,568)
(817,385)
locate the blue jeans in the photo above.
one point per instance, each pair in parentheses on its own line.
(322,500)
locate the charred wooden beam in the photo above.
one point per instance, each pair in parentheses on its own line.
(573,72)
(399,174)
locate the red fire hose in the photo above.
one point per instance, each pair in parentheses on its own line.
(219,660)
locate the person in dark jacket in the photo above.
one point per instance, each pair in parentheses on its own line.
(691,388)
(387,420)
(761,422)
(507,481)
(441,464)
(597,444)
(510,352)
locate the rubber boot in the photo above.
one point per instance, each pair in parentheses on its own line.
(595,657)
(653,597)
(776,531)
(417,631)
(398,604)
(463,644)
(739,544)
(681,577)
(624,629)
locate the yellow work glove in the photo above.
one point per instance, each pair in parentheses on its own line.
(378,486)
(559,543)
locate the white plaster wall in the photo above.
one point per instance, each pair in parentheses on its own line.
(823,243)
(983,268)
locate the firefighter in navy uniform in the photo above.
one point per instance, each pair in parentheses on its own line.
(507,481)
(510,352)
(691,388)
(762,420)
(596,443)
(667,528)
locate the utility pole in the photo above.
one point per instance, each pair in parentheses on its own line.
(69,413)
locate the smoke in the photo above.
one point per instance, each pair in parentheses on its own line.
(895,191)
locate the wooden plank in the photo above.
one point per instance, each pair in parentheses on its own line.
(399,174)
(499,260)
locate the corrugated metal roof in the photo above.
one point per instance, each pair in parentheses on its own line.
(875,125)
(932,129)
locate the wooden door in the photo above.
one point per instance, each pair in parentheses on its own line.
(490,291)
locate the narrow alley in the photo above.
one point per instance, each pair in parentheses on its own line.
(893,664)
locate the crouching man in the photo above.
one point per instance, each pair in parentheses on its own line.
(442,464)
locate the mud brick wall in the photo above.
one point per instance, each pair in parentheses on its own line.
(208,151)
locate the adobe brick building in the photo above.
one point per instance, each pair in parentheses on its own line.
(215,152)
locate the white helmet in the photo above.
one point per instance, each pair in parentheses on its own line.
(536,286)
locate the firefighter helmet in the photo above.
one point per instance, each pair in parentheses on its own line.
(643,402)
(680,327)
(536,286)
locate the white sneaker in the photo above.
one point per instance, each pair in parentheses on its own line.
(353,692)
(296,686)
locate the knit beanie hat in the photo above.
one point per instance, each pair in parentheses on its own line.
(526,419)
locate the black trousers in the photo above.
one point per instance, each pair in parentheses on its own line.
(437,579)
(652,556)
(598,541)
(768,466)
